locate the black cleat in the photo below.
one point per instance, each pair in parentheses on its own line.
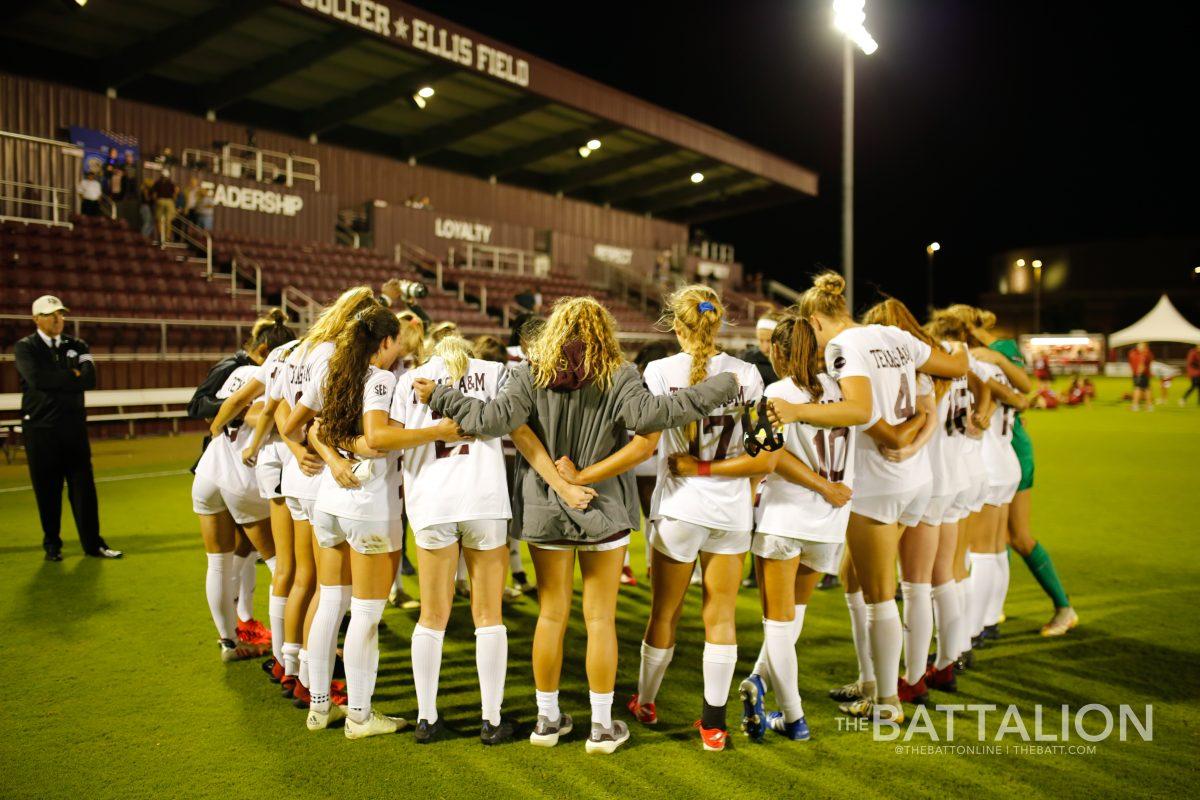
(406,567)
(54,556)
(427,732)
(978,642)
(497,734)
(990,633)
(829,582)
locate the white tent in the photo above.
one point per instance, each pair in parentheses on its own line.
(1163,324)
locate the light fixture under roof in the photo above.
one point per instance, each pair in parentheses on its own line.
(426,92)
(593,144)
(697,177)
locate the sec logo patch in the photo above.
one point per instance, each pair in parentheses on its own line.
(380,389)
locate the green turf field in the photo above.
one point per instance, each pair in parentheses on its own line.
(116,689)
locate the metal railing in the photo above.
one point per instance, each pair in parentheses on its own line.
(777,289)
(624,282)
(504,259)
(108,206)
(269,165)
(163,326)
(18,193)
(241,267)
(305,307)
(346,235)
(189,233)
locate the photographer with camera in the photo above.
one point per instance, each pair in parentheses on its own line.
(399,294)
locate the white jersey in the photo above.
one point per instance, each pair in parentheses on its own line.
(269,374)
(305,376)
(379,497)
(221,462)
(945,446)
(999,457)
(452,482)
(788,509)
(972,448)
(889,358)
(714,502)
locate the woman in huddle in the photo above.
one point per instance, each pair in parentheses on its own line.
(876,369)
(579,396)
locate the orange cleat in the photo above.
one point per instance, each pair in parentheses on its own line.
(912,693)
(300,696)
(253,632)
(944,680)
(644,713)
(713,738)
(337,693)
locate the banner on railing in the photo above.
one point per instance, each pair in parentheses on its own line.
(104,151)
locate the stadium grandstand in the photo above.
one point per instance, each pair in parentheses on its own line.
(319,144)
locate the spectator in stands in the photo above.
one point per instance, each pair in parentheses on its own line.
(55,370)
(757,354)
(112,174)
(1140,359)
(89,195)
(401,295)
(191,200)
(164,192)
(146,197)
(1193,372)
(530,299)
(205,206)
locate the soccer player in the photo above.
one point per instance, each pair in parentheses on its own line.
(703,517)
(1140,360)
(875,367)
(457,497)
(1020,535)
(298,392)
(225,494)
(583,396)
(357,524)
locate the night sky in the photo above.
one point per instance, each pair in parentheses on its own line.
(983,125)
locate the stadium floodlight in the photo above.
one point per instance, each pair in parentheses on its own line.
(850,17)
(426,92)
(1020,263)
(593,144)
(1196,270)
(584,151)
(1037,263)
(697,177)
(418,101)
(932,247)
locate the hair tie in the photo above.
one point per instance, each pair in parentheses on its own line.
(706,306)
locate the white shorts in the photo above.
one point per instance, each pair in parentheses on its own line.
(998,495)
(825,557)
(684,541)
(301,508)
(208,498)
(268,472)
(369,537)
(599,547)
(906,507)
(940,509)
(474,534)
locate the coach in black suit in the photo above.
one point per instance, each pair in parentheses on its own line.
(56,370)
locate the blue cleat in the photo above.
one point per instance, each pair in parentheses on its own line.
(754,716)
(796,731)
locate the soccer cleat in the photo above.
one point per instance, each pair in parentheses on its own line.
(547,733)
(428,732)
(1063,620)
(319,721)
(463,589)
(235,651)
(644,713)
(406,567)
(106,552)
(606,740)
(915,693)
(253,632)
(851,692)
(627,578)
(713,739)
(496,734)
(943,679)
(521,582)
(796,731)
(978,642)
(376,725)
(868,709)
(301,697)
(273,669)
(511,594)
(990,633)
(754,717)
(829,582)
(337,693)
(965,662)
(54,555)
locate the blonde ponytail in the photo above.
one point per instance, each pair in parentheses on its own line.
(695,314)
(456,352)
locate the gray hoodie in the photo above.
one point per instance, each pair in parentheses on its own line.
(587,424)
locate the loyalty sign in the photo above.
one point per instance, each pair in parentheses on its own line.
(420,34)
(461,229)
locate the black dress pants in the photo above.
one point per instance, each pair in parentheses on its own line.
(63,454)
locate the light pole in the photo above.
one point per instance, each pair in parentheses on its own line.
(930,249)
(849,17)
(1037,291)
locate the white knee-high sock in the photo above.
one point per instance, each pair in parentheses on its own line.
(781,656)
(491,661)
(1000,576)
(362,655)
(883,621)
(218,590)
(980,591)
(276,609)
(427,666)
(322,642)
(245,581)
(946,620)
(798,622)
(514,556)
(601,708)
(963,593)
(302,670)
(720,661)
(653,667)
(862,636)
(547,705)
(270,562)
(762,664)
(291,658)
(918,628)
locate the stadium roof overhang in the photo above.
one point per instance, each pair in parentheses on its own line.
(346,71)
